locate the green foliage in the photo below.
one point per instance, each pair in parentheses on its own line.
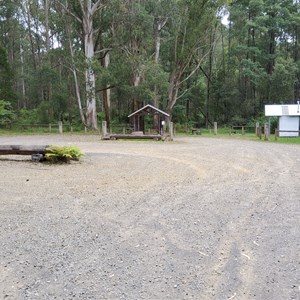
(252,61)
(283,80)
(6,112)
(6,76)
(179,115)
(26,116)
(63,154)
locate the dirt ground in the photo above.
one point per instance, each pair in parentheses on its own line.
(197,218)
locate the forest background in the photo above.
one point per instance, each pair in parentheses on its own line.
(84,61)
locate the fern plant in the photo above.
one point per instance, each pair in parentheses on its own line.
(63,154)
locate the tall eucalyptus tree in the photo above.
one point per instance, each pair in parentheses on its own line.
(189,46)
(85,17)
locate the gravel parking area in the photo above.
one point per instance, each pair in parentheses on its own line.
(197,218)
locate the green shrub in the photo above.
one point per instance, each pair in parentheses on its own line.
(6,112)
(63,154)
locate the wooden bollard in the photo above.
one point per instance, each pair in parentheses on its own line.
(215,128)
(60,127)
(266,131)
(259,132)
(104,128)
(256,128)
(171,129)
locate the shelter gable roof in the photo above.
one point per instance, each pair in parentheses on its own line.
(148,108)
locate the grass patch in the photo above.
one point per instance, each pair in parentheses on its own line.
(238,136)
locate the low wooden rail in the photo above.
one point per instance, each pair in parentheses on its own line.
(277,132)
(232,128)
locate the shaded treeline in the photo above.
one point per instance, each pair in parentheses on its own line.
(84,61)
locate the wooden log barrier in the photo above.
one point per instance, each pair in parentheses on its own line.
(22,149)
(133,136)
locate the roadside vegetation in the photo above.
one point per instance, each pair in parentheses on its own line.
(224,132)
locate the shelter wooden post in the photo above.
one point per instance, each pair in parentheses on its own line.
(163,127)
(215,128)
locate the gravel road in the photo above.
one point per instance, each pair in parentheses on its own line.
(198,218)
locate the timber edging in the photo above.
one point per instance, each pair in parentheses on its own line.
(157,137)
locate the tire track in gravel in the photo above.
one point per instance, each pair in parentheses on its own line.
(200,219)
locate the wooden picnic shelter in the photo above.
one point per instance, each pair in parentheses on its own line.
(138,122)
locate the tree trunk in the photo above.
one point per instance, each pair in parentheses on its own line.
(106,92)
(91,114)
(27,17)
(88,11)
(46,7)
(24,105)
(173,91)
(74,72)
(159,24)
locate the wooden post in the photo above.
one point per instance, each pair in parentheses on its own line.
(163,127)
(215,128)
(124,131)
(50,127)
(259,132)
(60,127)
(243,130)
(104,128)
(171,128)
(257,128)
(276,134)
(266,131)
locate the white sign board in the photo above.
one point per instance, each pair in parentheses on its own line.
(288,123)
(282,110)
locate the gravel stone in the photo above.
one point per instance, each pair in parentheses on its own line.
(198,218)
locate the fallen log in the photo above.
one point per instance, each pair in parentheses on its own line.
(22,149)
